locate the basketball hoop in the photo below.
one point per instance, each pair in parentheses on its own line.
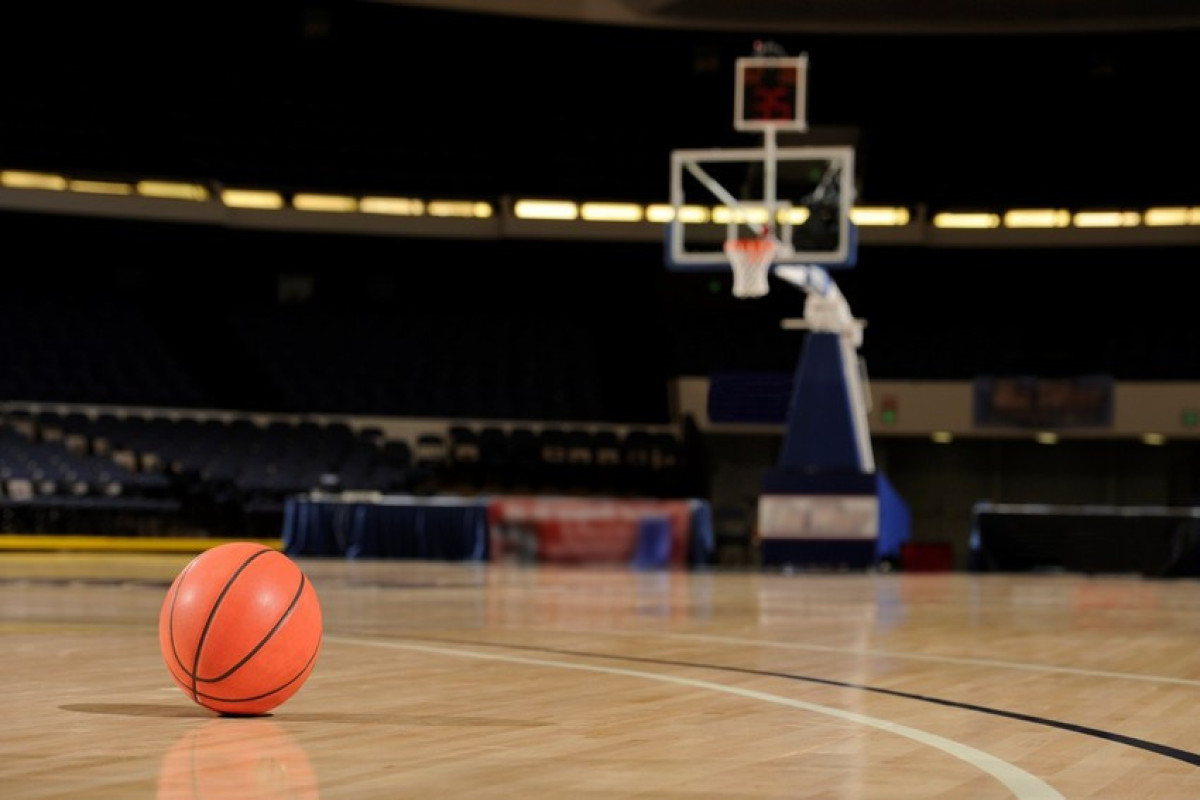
(751,261)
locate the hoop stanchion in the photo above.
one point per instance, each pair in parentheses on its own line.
(751,261)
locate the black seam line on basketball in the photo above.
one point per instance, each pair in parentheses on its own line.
(276,690)
(266,638)
(181,679)
(212,612)
(1152,747)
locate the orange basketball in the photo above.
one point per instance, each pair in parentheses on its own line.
(240,629)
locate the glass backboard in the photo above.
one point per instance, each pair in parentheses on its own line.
(800,195)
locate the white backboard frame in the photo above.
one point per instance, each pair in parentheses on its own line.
(691,162)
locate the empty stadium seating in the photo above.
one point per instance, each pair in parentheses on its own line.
(233,474)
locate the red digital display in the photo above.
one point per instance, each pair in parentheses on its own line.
(770,94)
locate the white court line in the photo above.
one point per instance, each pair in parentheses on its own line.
(851,651)
(1023,785)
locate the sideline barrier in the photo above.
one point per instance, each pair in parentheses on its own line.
(513,529)
(1154,541)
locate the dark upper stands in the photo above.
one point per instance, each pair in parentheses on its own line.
(368,361)
(64,349)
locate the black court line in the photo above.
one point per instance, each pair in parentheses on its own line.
(1167,751)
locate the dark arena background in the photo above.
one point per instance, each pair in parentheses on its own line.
(270,275)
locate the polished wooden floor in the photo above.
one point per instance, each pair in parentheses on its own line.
(442,680)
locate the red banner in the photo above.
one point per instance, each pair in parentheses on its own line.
(569,530)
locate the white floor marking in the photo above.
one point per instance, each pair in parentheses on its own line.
(1023,785)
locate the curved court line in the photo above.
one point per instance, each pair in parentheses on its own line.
(1022,784)
(817,648)
(1186,756)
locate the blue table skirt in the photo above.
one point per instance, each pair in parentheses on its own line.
(411,527)
(452,529)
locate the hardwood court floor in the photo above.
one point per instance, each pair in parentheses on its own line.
(441,680)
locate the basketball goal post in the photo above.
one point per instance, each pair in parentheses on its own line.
(785,212)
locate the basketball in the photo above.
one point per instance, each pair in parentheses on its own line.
(240,629)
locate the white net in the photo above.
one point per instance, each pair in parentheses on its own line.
(751,261)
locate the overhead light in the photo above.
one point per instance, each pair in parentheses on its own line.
(879,216)
(252,198)
(1153,439)
(610,212)
(948,219)
(663,212)
(394,206)
(545,209)
(327,203)
(458,208)
(18,179)
(1046,437)
(796,215)
(100,187)
(942,437)
(660,212)
(747,215)
(1037,218)
(172,190)
(1107,219)
(1162,217)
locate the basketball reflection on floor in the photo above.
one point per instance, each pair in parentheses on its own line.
(237,759)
